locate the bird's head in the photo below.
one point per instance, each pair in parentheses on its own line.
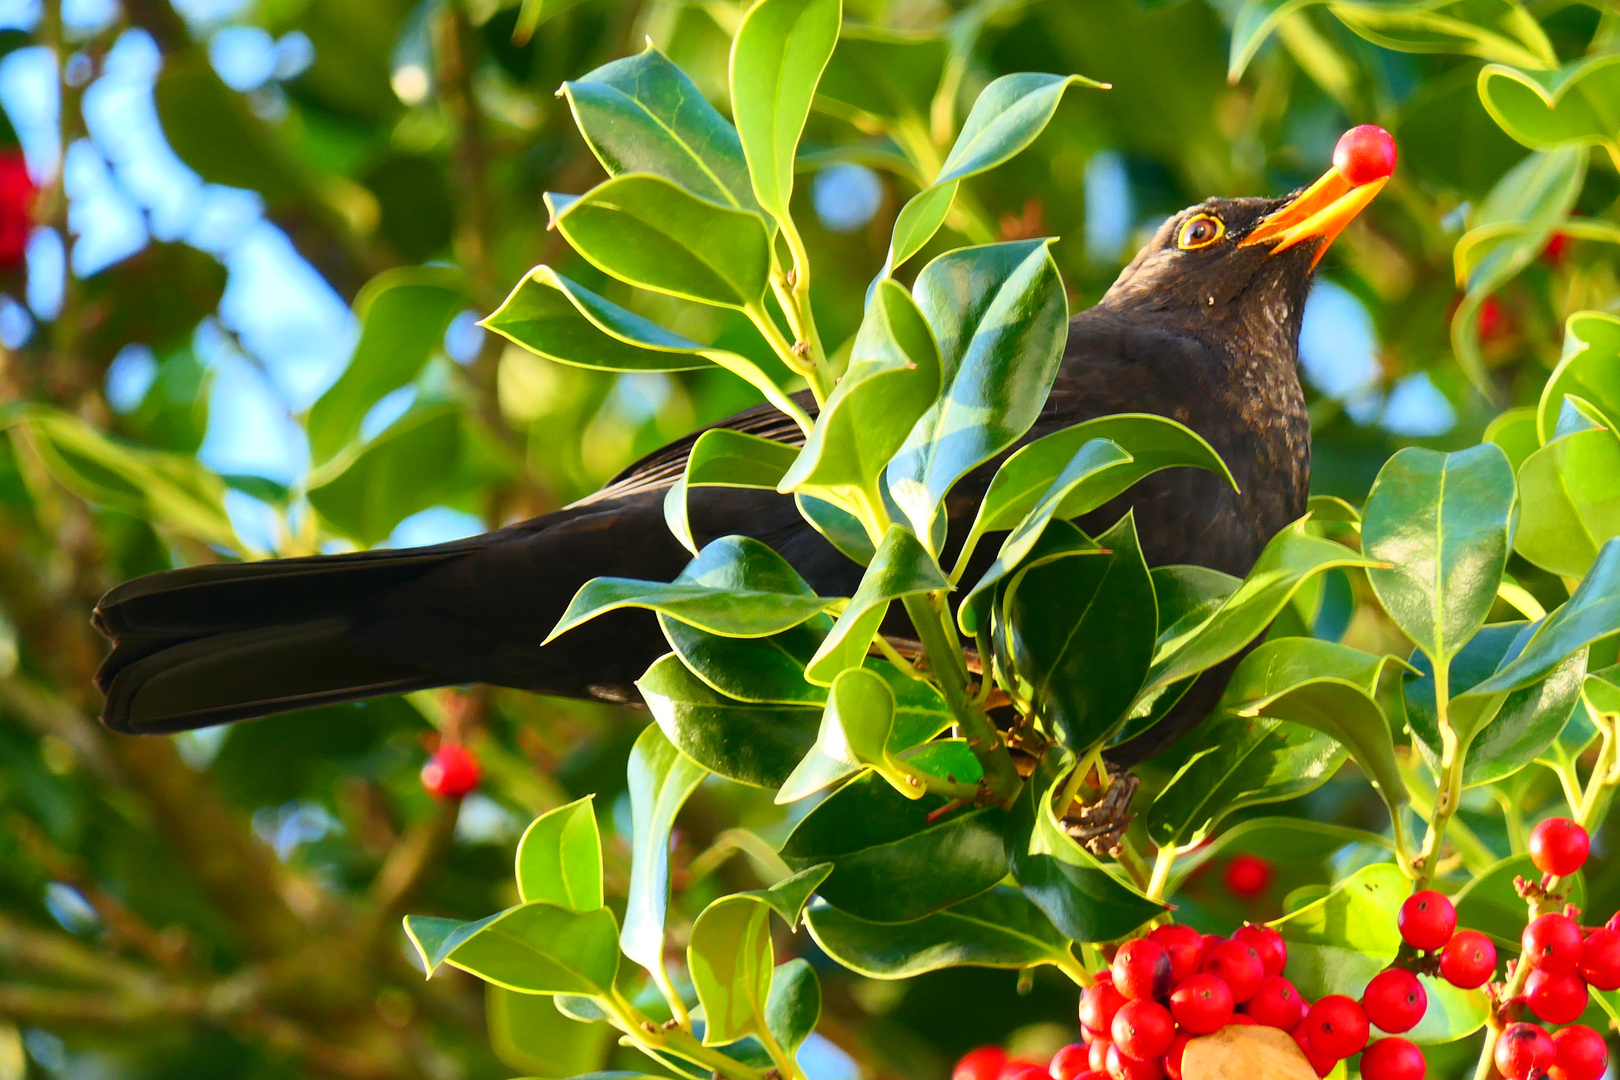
(1230,263)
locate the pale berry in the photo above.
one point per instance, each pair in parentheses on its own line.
(1364,154)
(1268,943)
(1337,1026)
(1122,1066)
(1600,959)
(1097,1055)
(1097,1007)
(1172,1057)
(1248,875)
(1141,970)
(1069,1062)
(983,1063)
(1523,1050)
(451,773)
(1276,1004)
(1185,948)
(1320,1063)
(1469,960)
(1202,1003)
(1395,1000)
(1579,1054)
(1392,1059)
(1552,942)
(1143,1029)
(1558,846)
(1427,920)
(1558,997)
(1239,965)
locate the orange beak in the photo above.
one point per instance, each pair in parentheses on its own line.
(1320,211)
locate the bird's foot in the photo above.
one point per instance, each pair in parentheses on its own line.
(1100,826)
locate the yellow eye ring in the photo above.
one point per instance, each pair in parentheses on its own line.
(1200,232)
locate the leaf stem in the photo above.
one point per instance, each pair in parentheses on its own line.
(1448,793)
(1134,865)
(1075,970)
(649,1037)
(1163,862)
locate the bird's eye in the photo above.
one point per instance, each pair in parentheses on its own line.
(1200,232)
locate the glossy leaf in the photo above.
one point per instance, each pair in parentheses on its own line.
(742,741)
(1000,316)
(411,466)
(559,858)
(1528,720)
(1589,368)
(1546,109)
(530,1033)
(731,961)
(902,567)
(1001,929)
(1592,613)
(890,863)
(777,58)
(642,114)
(884,74)
(789,896)
(1571,493)
(768,670)
(1441,522)
(721,457)
(1285,840)
(839,527)
(1491,904)
(919,219)
(648,232)
(403,315)
(1230,762)
(794,1005)
(856,729)
(1515,432)
(534,948)
(660,779)
(736,587)
(1081,631)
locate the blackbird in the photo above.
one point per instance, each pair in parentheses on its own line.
(1202,326)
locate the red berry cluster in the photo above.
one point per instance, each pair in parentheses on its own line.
(452,772)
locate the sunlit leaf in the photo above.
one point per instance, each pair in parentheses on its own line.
(559,858)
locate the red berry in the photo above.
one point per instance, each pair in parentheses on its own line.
(1522,1050)
(1557,247)
(1092,1074)
(1022,1069)
(1268,943)
(1336,1026)
(1320,1062)
(1069,1062)
(1143,1029)
(1244,1020)
(1122,1066)
(1097,1054)
(1468,960)
(1559,847)
(1248,875)
(1427,920)
(983,1063)
(1142,970)
(1364,154)
(1395,1000)
(1392,1059)
(1600,959)
(17,194)
(451,773)
(1552,942)
(1239,965)
(1277,1004)
(1185,948)
(1558,997)
(1097,1007)
(1202,1004)
(1172,1057)
(1580,1054)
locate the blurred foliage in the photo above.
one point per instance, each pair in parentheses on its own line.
(226,904)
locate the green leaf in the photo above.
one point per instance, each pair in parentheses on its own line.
(919,219)
(902,567)
(1331,688)
(1602,691)
(731,961)
(1528,721)
(1489,29)
(214,131)
(892,379)
(736,587)
(789,896)
(1082,634)
(721,457)
(1515,432)
(855,730)
(1094,458)
(1570,505)
(1256,21)
(1230,762)
(534,948)
(642,114)
(890,862)
(1001,929)
(742,741)
(1492,905)
(413,465)
(648,232)
(794,1006)
(1290,841)
(1546,109)
(1592,613)
(403,315)
(660,779)
(1066,881)
(1441,521)
(1000,316)
(839,527)
(530,1033)
(777,58)
(559,859)
(1337,944)
(766,671)
(885,75)
(1589,369)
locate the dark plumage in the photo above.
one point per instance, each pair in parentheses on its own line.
(1208,337)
